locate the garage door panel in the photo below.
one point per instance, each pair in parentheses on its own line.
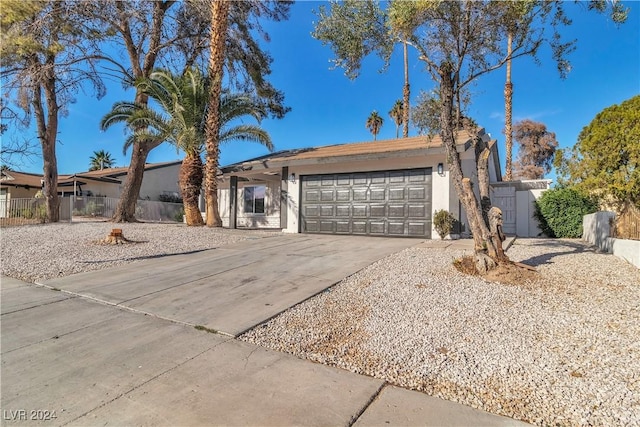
(343,180)
(397,211)
(385,203)
(417,211)
(376,227)
(327,180)
(397,177)
(327,227)
(359,211)
(378,178)
(419,228)
(343,194)
(343,211)
(312,195)
(359,194)
(360,179)
(327,210)
(396,228)
(359,227)
(417,193)
(311,211)
(396,194)
(418,176)
(377,194)
(343,227)
(326,195)
(377,211)
(312,226)
(312,181)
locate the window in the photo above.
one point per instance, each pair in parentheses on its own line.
(254,199)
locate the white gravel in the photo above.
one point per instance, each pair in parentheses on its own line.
(40,252)
(564,350)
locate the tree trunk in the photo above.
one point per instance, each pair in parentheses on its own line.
(47,125)
(486,253)
(191,176)
(126,209)
(219,24)
(50,171)
(508,105)
(405,93)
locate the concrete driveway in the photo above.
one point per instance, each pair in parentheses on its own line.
(135,359)
(233,288)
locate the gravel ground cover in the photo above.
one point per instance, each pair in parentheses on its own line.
(40,252)
(561,350)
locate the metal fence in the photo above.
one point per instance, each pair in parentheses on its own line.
(146,210)
(34,211)
(31,211)
(627,224)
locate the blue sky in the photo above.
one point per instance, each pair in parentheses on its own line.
(328,108)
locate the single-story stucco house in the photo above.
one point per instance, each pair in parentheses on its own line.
(380,188)
(159,179)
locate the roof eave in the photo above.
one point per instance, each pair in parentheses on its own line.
(282,162)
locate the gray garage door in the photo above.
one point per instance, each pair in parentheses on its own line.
(386,203)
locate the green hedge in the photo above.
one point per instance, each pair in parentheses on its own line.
(560,212)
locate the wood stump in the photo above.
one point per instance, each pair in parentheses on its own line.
(115,237)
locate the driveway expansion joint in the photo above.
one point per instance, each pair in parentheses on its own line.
(367,404)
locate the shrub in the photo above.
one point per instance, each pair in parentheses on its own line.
(178,217)
(443,222)
(560,212)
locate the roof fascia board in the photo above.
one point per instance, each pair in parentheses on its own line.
(279,163)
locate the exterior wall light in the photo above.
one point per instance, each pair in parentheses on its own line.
(440,169)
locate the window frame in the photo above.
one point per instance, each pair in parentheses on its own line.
(245,200)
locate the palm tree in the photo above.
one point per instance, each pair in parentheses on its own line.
(374,123)
(100,160)
(183,101)
(217,49)
(397,115)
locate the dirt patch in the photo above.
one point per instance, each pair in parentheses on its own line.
(507,273)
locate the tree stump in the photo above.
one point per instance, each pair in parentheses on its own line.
(115,237)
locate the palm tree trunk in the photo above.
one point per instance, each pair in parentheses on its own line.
(405,93)
(219,24)
(508,105)
(191,176)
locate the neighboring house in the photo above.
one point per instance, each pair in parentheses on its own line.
(159,178)
(381,188)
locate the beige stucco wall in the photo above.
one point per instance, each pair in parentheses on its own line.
(271,216)
(157,181)
(440,193)
(443,195)
(21,192)
(99,189)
